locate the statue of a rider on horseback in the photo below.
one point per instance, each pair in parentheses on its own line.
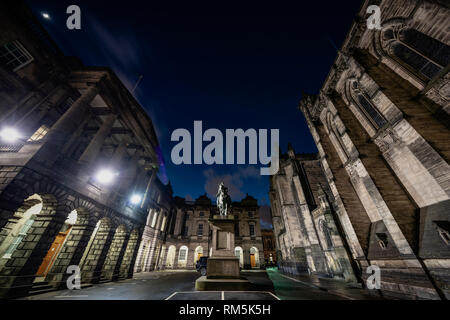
(223,200)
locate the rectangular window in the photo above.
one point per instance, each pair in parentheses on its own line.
(14,56)
(200,229)
(201,214)
(252,230)
(39,133)
(185,232)
(250,215)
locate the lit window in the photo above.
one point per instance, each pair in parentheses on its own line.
(39,134)
(183,254)
(14,56)
(18,239)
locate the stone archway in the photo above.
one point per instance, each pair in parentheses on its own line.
(254,257)
(75,244)
(239,253)
(18,226)
(170,261)
(29,248)
(198,253)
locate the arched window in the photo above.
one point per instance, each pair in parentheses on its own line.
(424,55)
(182,256)
(366,106)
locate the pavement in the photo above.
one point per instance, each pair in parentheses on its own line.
(180,285)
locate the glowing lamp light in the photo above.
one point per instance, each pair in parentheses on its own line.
(105,176)
(9,134)
(135,199)
(46,15)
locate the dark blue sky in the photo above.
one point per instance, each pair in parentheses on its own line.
(229,64)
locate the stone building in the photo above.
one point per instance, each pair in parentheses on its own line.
(381,125)
(307,236)
(77,163)
(152,248)
(270,250)
(188,236)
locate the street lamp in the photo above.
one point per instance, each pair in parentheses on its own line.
(105,176)
(46,15)
(9,134)
(136,199)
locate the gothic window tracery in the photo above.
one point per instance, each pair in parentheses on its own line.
(366,106)
(423,54)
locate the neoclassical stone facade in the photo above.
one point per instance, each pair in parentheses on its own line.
(75,147)
(308,239)
(188,235)
(381,124)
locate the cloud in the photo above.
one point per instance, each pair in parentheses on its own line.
(234,182)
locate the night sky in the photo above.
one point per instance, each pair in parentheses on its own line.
(231,65)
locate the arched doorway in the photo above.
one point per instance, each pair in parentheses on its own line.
(182,257)
(239,253)
(56,246)
(170,261)
(254,257)
(198,254)
(19,228)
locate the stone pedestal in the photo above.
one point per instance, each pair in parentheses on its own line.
(222,272)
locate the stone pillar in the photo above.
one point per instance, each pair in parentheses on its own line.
(150,182)
(66,125)
(91,270)
(126,269)
(96,143)
(110,269)
(70,145)
(71,253)
(119,154)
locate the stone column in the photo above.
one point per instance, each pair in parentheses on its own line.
(150,182)
(96,143)
(70,145)
(66,125)
(118,155)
